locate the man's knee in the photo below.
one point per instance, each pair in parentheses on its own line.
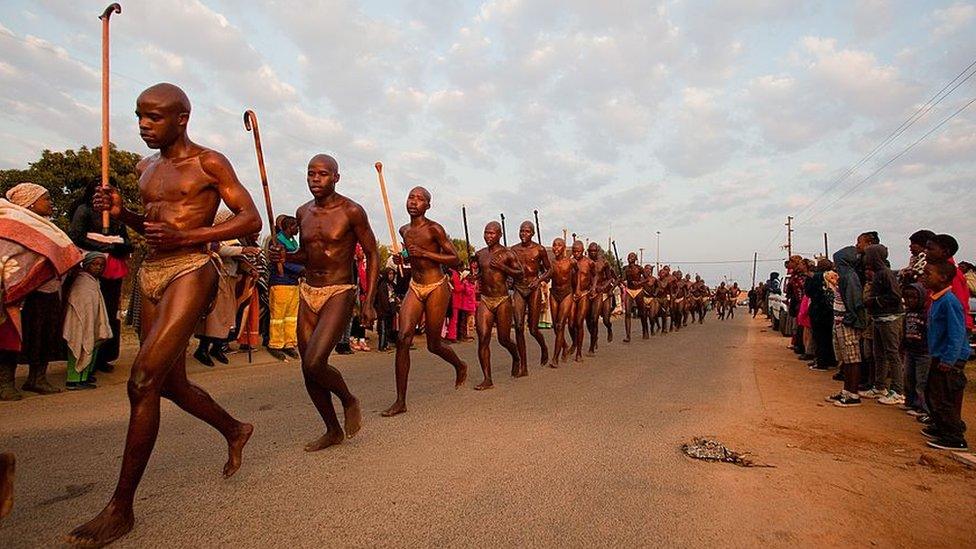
(142,384)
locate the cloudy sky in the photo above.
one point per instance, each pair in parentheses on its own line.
(707,121)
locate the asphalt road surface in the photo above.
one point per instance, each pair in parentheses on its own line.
(586,455)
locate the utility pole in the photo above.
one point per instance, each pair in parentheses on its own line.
(657,261)
(755,259)
(789,236)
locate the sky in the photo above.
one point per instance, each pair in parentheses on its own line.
(707,121)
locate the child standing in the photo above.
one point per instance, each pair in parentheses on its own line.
(86,324)
(916,347)
(949,351)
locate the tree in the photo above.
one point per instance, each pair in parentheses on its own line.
(66,174)
(461,246)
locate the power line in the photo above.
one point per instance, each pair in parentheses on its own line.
(899,131)
(892,159)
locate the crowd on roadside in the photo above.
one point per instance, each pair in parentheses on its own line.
(76,315)
(901,337)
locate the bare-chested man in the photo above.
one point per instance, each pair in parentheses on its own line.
(496,265)
(181,187)
(652,304)
(527,298)
(429,251)
(600,304)
(561,298)
(633,289)
(721,300)
(734,292)
(582,296)
(330,226)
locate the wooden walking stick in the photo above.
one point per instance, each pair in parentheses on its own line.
(504,236)
(467,239)
(394,241)
(538,232)
(105,16)
(251,125)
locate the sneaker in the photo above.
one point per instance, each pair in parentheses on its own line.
(277,353)
(946,444)
(914,413)
(291,352)
(871,393)
(814,368)
(905,406)
(833,398)
(931,432)
(839,376)
(925,419)
(891,398)
(848,401)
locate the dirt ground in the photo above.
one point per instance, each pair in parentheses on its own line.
(863,471)
(587,455)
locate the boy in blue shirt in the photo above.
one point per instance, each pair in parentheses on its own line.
(949,351)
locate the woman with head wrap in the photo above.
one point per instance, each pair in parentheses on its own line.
(216,327)
(40,315)
(86,325)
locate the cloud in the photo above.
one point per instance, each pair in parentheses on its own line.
(701,139)
(950,20)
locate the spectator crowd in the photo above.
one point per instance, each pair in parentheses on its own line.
(899,337)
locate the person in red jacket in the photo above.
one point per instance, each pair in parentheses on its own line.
(942,247)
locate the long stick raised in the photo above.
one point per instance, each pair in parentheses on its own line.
(251,125)
(467,239)
(105,16)
(394,242)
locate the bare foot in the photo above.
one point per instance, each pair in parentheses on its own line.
(626,340)
(553,365)
(111,524)
(484,385)
(235,449)
(522,372)
(7,466)
(460,376)
(609,336)
(354,418)
(324,441)
(545,357)
(397,408)
(590,353)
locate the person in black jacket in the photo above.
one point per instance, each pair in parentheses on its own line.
(85,231)
(883,303)
(821,313)
(385,304)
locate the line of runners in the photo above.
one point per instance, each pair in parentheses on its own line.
(181,188)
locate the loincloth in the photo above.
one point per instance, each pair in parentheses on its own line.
(634,293)
(493,302)
(423,291)
(317,296)
(156,274)
(524,288)
(559,294)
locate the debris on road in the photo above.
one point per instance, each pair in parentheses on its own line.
(712,450)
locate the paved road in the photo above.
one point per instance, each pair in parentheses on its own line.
(584,455)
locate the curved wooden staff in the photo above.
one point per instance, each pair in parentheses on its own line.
(105,16)
(394,241)
(251,125)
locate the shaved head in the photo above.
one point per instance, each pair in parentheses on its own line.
(422,190)
(494,225)
(325,159)
(166,94)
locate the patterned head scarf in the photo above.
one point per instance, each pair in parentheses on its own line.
(26,194)
(90,257)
